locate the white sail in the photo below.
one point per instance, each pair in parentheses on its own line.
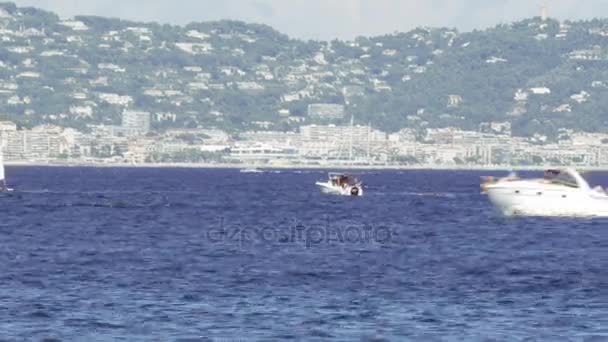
(3,186)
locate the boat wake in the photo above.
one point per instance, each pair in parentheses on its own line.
(418,194)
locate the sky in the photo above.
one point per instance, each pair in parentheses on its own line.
(329,19)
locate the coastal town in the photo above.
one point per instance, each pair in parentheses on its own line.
(134,143)
(98,91)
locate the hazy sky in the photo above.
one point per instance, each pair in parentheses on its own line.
(327,19)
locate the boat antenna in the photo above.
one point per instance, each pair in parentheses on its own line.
(368,142)
(512,172)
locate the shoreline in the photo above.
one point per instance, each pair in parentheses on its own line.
(299,166)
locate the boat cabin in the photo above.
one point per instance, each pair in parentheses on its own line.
(340,179)
(560,177)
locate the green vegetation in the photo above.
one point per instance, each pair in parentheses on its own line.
(236,76)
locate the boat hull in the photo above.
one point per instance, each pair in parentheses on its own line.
(535,202)
(327,188)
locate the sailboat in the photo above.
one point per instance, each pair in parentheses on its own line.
(3,187)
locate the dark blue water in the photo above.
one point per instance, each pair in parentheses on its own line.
(186,254)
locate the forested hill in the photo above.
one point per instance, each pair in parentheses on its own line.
(540,75)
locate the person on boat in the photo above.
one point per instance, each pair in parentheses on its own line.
(337,181)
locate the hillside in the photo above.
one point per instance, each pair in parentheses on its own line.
(539,75)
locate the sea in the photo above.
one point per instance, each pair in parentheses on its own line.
(186,254)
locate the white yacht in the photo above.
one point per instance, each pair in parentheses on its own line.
(251,170)
(558,193)
(3,187)
(341,184)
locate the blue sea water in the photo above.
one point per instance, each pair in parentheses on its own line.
(104,254)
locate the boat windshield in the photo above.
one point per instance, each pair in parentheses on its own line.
(561,178)
(342,179)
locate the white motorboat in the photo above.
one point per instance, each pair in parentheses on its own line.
(3,186)
(341,184)
(558,193)
(251,170)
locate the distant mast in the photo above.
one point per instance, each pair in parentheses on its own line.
(2,177)
(350,140)
(368,146)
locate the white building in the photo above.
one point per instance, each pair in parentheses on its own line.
(42,142)
(136,122)
(249,151)
(501,128)
(540,90)
(7,126)
(75,25)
